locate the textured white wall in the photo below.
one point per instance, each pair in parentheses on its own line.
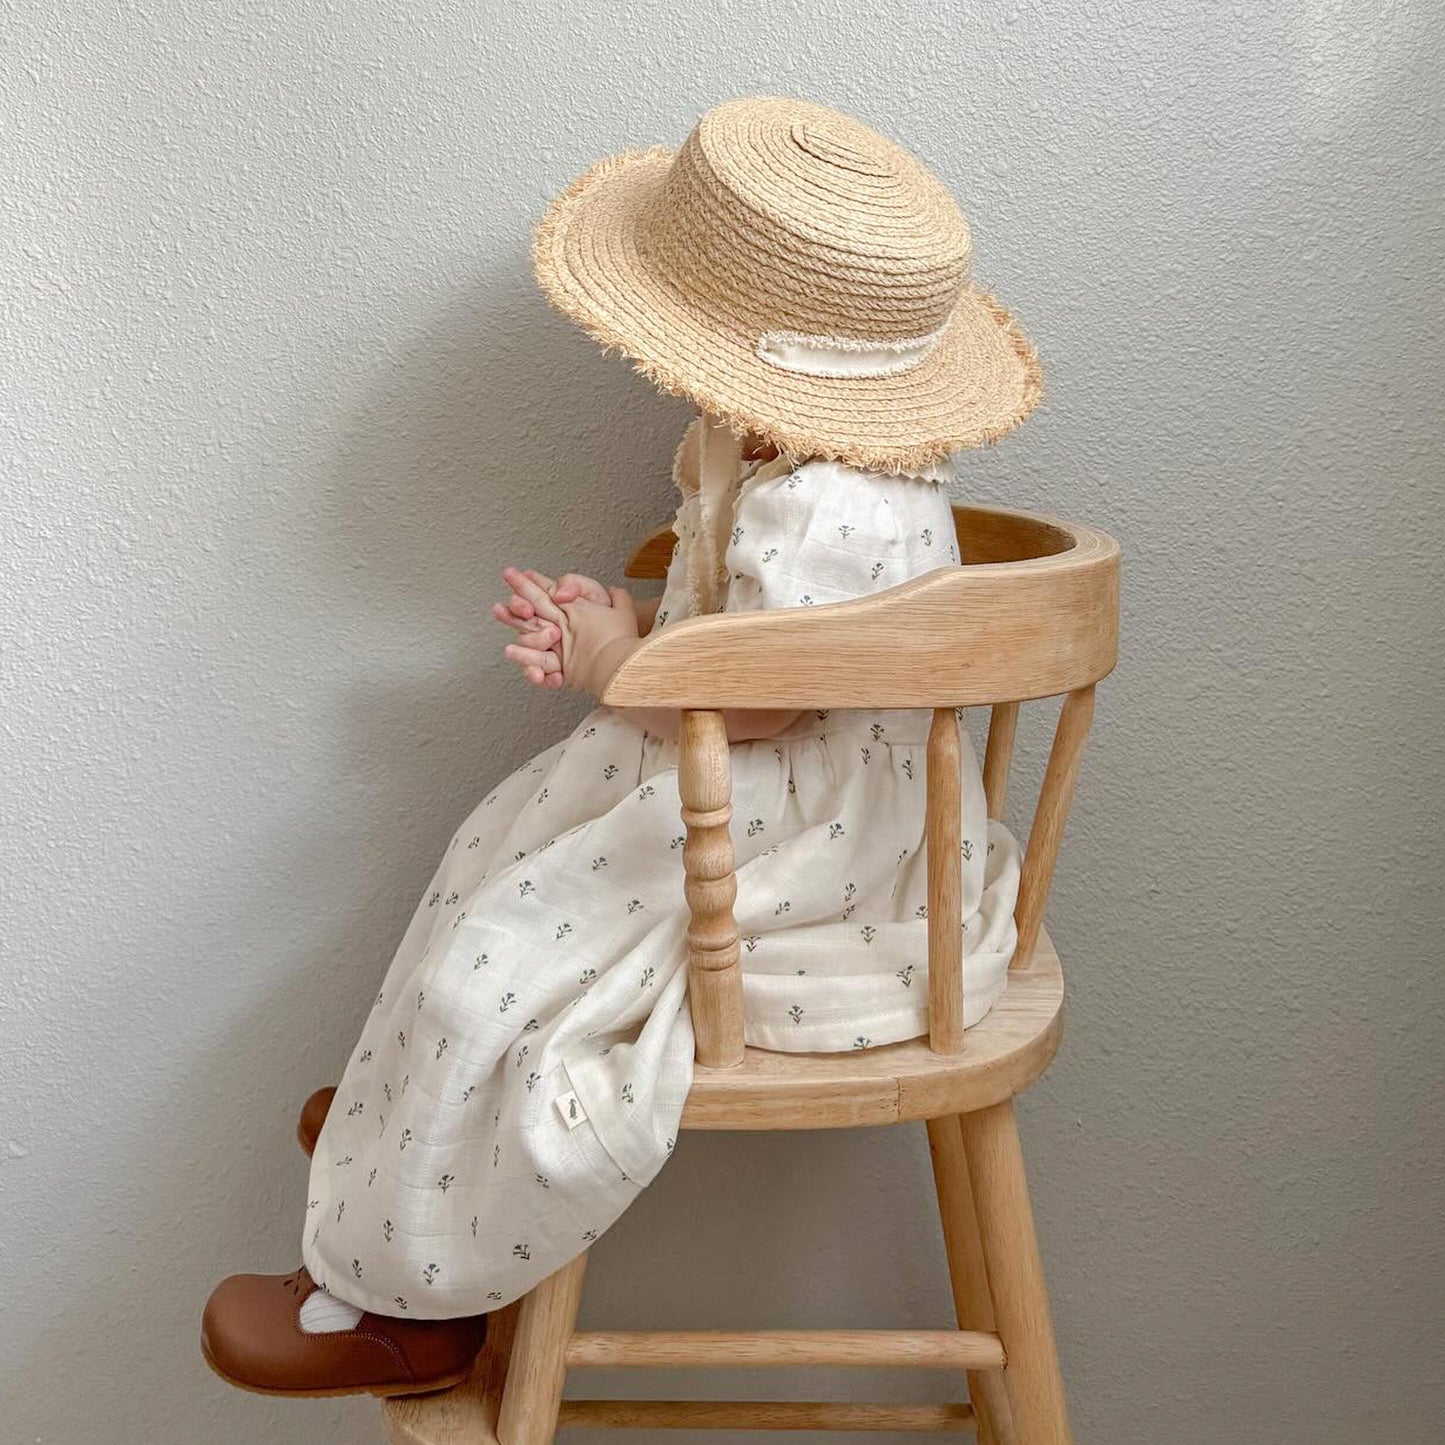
(279,398)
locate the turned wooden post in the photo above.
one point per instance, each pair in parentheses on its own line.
(715,981)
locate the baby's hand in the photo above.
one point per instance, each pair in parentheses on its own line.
(572,632)
(538,622)
(519,612)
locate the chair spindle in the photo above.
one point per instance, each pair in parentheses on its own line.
(943,823)
(1003,722)
(715,981)
(1050,816)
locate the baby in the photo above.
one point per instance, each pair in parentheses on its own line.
(522,1074)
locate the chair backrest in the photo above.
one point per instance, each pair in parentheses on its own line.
(1032,612)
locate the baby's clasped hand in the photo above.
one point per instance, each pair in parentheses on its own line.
(572,632)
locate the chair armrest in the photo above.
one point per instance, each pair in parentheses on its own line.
(960,636)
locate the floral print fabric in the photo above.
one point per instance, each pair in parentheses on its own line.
(523,1070)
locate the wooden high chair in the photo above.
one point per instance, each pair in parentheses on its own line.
(1031,613)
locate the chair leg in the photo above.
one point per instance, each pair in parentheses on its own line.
(538,1367)
(1015,1275)
(972,1304)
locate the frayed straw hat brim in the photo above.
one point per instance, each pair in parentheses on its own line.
(978,382)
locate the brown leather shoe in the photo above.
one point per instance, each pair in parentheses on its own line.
(251,1336)
(313,1116)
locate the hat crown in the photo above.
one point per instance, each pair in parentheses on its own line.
(785,215)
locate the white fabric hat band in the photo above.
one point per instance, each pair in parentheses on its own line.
(843,356)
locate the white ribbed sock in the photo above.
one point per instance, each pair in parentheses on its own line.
(324,1314)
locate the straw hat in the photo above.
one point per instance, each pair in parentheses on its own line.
(799,276)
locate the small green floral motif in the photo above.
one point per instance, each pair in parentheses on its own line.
(526,887)
(388,1229)
(627,1097)
(521,1251)
(442,1047)
(835,830)
(405,1138)
(649,974)
(508,999)
(482,960)
(966,848)
(446,1182)
(868,932)
(429,1274)
(597,863)
(796,1013)
(356,1268)
(563,930)
(862,1042)
(905,976)
(755,826)
(533,1079)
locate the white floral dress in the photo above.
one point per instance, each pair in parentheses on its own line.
(523,1071)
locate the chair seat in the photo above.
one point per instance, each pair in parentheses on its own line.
(1003,1054)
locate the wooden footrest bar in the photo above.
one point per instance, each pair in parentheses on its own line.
(762,1415)
(909,1349)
